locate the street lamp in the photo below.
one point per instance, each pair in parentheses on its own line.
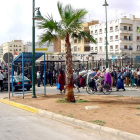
(37,17)
(105,4)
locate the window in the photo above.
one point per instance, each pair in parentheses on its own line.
(111,28)
(125,46)
(91,32)
(125,27)
(95,31)
(138,47)
(14,45)
(111,38)
(138,38)
(95,48)
(100,30)
(100,39)
(19,46)
(116,47)
(100,48)
(10,50)
(86,49)
(91,48)
(116,37)
(111,47)
(125,37)
(116,28)
(10,45)
(19,49)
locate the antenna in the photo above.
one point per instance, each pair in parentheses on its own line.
(89,17)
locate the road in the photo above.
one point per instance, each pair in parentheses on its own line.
(17,124)
(53,90)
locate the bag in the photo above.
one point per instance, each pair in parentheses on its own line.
(57,86)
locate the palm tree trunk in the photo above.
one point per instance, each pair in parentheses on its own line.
(69,72)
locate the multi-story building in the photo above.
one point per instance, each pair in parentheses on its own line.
(1,51)
(15,47)
(123,38)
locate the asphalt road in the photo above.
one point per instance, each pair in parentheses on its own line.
(53,90)
(17,124)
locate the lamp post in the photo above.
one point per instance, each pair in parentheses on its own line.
(105,4)
(37,17)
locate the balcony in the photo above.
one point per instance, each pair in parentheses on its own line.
(122,30)
(128,49)
(126,40)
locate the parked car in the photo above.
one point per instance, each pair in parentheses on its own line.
(17,83)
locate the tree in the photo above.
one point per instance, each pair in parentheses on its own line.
(69,26)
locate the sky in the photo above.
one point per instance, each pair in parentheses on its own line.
(16,15)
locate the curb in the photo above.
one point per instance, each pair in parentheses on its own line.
(83,124)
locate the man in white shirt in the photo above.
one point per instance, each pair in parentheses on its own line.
(1,81)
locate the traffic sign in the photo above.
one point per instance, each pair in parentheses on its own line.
(5,57)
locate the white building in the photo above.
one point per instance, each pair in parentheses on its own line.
(122,36)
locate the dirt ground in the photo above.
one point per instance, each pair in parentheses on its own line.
(117,112)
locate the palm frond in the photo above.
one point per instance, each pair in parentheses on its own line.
(60,9)
(47,37)
(83,35)
(48,23)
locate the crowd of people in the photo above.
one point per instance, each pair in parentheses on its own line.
(115,77)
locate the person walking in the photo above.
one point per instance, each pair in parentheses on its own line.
(50,77)
(138,83)
(107,77)
(1,81)
(38,78)
(127,77)
(120,81)
(61,81)
(132,79)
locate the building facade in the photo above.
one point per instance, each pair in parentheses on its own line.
(15,47)
(123,38)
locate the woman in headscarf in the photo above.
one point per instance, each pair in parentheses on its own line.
(132,79)
(120,81)
(61,81)
(107,77)
(138,79)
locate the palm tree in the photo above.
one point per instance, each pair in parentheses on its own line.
(70,26)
